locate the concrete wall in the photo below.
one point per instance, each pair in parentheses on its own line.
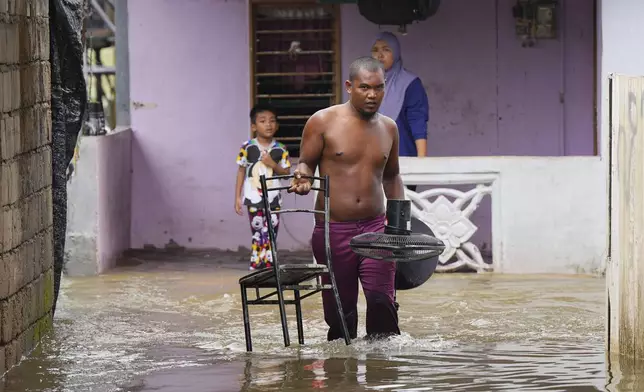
(546,212)
(82,212)
(99,204)
(191,99)
(26,269)
(114,197)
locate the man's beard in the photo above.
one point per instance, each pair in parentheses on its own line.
(366,115)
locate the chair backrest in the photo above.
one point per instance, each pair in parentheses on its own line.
(323,188)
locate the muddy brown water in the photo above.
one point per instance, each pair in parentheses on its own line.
(168,326)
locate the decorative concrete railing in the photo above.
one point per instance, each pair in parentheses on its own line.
(449,221)
(547,214)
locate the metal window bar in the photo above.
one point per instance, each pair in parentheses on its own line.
(271,74)
(287,53)
(291,277)
(294,95)
(289,138)
(295,117)
(273,29)
(294,31)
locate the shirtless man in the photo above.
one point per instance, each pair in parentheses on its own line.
(358,149)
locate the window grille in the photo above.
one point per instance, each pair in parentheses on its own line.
(295,63)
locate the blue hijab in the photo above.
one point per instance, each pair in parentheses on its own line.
(397,78)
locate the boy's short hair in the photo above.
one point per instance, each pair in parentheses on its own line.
(261,108)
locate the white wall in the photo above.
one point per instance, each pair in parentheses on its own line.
(621,33)
(619,51)
(548,214)
(619,48)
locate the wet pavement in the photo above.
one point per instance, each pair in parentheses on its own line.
(176,325)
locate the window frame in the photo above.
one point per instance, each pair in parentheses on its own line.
(337,45)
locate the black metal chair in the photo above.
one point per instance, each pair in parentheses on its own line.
(290,277)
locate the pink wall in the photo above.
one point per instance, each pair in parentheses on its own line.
(189,69)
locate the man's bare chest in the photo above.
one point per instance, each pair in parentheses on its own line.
(371,146)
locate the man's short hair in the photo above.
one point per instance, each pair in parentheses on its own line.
(261,108)
(366,63)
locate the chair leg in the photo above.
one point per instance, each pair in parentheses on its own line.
(298,316)
(338,307)
(280,298)
(244,297)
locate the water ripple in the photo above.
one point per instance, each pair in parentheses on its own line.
(165,329)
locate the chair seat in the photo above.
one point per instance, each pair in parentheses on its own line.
(303,280)
(290,274)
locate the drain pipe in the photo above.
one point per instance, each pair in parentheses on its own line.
(123,118)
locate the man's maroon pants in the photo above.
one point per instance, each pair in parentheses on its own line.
(376,277)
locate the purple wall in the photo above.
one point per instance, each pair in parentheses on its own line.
(488,95)
(189,72)
(189,67)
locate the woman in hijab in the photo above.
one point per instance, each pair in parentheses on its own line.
(405,97)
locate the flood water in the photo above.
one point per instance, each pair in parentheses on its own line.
(170,326)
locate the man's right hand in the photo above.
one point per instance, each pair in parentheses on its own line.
(300,185)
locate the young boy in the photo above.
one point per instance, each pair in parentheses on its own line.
(260,155)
